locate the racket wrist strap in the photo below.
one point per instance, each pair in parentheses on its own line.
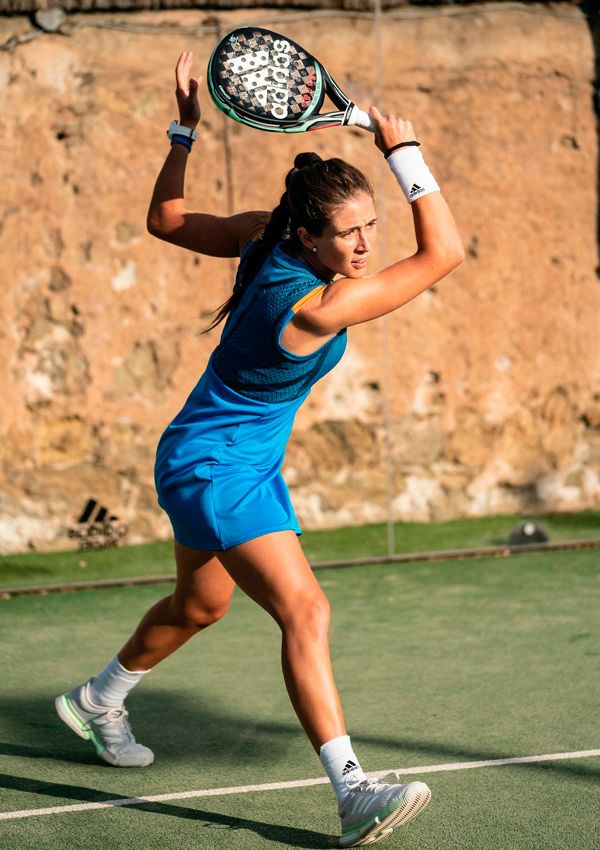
(412,173)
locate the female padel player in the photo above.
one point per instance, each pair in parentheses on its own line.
(302,280)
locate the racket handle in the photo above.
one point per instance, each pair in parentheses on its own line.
(360,118)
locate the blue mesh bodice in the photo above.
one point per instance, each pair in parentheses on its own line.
(250,357)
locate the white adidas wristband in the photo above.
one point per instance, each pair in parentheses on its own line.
(411,171)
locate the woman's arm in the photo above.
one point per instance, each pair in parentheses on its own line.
(351,301)
(217,236)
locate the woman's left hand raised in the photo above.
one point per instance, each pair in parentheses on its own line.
(187,92)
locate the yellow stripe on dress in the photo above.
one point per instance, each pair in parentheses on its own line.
(307,297)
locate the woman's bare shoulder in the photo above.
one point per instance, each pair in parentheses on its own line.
(256,222)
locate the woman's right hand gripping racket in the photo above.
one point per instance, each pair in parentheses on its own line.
(269,82)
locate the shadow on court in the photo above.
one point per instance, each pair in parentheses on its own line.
(176,726)
(271,832)
(216,735)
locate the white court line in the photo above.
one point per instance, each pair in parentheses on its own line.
(297,783)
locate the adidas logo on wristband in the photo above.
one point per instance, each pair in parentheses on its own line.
(413,175)
(415,190)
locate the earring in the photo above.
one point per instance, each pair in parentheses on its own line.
(314,250)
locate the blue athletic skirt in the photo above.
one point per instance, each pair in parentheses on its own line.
(218,467)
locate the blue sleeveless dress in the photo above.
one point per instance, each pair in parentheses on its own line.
(218,463)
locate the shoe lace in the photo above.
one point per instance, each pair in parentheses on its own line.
(366,786)
(118,720)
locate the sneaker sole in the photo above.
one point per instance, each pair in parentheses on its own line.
(416,798)
(69,716)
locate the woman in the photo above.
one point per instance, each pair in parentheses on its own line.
(218,462)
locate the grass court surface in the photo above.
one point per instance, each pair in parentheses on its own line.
(437,663)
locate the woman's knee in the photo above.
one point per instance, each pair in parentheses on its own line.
(307,615)
(197,613)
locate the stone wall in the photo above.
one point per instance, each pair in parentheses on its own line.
(492,377)
(21,6)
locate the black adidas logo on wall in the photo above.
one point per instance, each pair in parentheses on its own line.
(100,516)
(415,190)
(349,767)
(97,528)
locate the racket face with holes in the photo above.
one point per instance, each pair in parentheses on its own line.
(269,82)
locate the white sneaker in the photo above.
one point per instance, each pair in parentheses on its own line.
(107,728)
(373,808)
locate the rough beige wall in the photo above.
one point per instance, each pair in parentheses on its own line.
(493,376)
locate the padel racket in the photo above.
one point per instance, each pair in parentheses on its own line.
(269,82)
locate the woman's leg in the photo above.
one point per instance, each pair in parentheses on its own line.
(201,597)
(94,710)
(274,572)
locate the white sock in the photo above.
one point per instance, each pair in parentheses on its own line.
(111,685)
(340,763)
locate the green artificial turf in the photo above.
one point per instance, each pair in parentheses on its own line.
(436,663)
(37,568)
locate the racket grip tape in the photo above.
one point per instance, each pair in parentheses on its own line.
(360,118)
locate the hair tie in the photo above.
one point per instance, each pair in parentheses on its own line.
(400,145)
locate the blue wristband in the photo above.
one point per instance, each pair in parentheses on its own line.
(182,140)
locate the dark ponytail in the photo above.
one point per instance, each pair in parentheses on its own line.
(313,188)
